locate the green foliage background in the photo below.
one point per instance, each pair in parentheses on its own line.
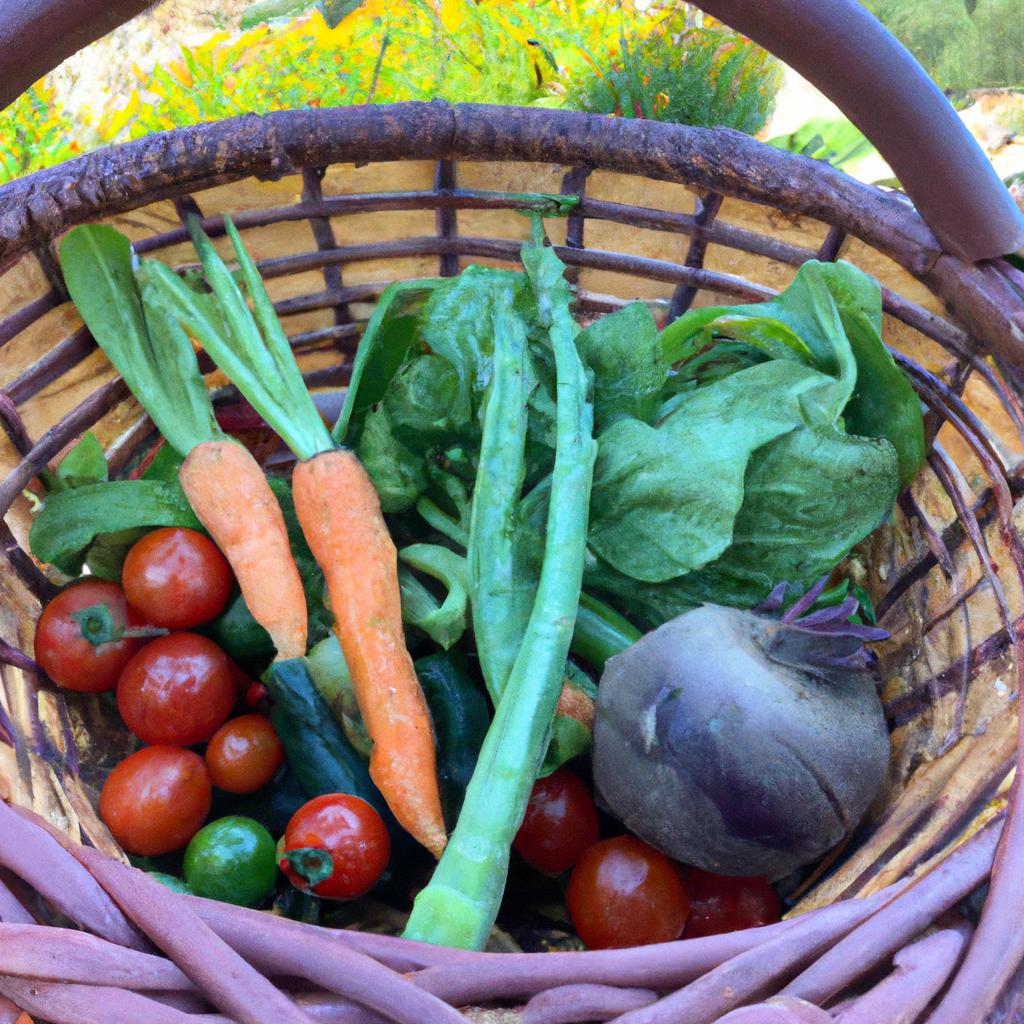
(662,60)
(963,44)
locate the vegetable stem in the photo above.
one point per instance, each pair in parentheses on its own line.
(601,632)
(460,904)
(501,594)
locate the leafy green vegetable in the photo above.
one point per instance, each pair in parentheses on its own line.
(396,471)
(84,464)
(625,354)
(70,520)
(383,347)
(666,498)
(98,266)
(107,553)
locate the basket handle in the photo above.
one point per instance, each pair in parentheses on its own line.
(854,60)
(836,44)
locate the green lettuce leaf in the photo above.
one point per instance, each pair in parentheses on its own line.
(624,352)
(665,498)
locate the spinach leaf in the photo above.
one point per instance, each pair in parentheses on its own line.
(810,496)
(396,470)
(383,348)
(665,499)
(70,520)
(425,404)
(884,404)
(84,464)
(805,320)
(456,325)
(625,354)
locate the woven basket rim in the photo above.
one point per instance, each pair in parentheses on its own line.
(35,210)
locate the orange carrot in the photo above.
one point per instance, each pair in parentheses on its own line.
(229,493)
(340,514)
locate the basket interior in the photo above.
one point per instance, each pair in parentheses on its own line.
(330,239)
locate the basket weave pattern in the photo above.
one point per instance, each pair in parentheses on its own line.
(336,204)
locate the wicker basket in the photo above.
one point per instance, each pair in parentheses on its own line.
(335,204)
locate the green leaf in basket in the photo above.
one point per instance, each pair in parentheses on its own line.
(71,520)
(84,464)
(389,335)
(149,350)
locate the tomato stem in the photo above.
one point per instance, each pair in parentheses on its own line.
(98,626)
(312,863)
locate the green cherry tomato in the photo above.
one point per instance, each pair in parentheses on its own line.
(232,860)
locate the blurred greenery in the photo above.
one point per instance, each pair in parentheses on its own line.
(700,75)
(963,44)
(661,60)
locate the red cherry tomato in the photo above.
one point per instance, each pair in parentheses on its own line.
(177,578)
(62,650)
(560,823)
(156,800)
(719,903)
(339,834)
(624,893)
(244,754)
(177,690)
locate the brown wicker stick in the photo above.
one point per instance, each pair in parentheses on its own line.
(59,954)
(328,965)
(60,1003)
(167,165)
(217,971)
(903,919)
(921,971)
(779,1011)
(569,1004)
(754,974)
(35,857)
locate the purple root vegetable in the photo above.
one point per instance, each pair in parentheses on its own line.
(921,970)
(327,965)
(781,1010)
(60,954)
(571,1004)
(230,984)
(899,922)
(753,974)
(739,743)
(34,856)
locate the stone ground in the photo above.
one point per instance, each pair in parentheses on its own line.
(92,78)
